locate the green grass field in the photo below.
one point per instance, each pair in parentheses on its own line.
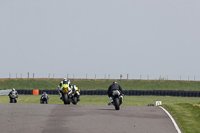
(101,84)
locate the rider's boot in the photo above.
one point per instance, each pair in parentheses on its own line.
(111,101)
(78,97)
(60,95)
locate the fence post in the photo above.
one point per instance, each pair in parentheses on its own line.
(95,77)
(33,75)
(120,76)
(16,75)
(28,75)
(127,76)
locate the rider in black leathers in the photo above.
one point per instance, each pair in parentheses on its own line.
(112,87)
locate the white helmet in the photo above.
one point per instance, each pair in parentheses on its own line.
(65,79)
(13,89)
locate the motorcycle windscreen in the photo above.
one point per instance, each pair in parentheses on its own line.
(65,88)
(65,82)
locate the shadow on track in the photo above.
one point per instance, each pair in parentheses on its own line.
(105,109)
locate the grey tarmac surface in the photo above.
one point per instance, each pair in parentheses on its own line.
(38,118)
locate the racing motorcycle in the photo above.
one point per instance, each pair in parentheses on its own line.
(44,99)
(117,99)
(13,97)
(70,95)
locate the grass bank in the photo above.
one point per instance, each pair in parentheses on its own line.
(101,84)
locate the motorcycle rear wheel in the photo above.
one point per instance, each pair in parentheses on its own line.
(117,104)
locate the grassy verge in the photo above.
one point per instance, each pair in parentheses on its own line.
(187,116)
(101,84)
(103,100)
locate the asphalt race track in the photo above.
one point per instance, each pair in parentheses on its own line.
(38,118)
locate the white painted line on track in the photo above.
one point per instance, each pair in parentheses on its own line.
(174,122)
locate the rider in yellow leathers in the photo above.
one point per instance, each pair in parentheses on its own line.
(63,84)
(72,88)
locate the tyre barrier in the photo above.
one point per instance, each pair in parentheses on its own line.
(126,92)
(25,92)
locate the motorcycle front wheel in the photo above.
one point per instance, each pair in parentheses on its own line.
(75,100)
(66,99)
(12,100)
(45,102)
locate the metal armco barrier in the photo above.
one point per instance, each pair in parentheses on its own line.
(126,92)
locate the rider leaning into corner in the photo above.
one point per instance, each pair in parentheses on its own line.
(112,87)
(71,87)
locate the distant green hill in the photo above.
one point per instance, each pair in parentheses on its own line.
(85,84)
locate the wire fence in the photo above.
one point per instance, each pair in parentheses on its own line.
(99,76)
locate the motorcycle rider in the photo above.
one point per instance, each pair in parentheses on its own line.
(44,93)
(13,91)
(62,85)
(74,89)
(112,87)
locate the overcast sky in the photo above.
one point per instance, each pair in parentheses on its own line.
(139,37)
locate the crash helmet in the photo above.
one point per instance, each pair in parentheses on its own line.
(44,92)
(115,82)
(65,79)
(13,89)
